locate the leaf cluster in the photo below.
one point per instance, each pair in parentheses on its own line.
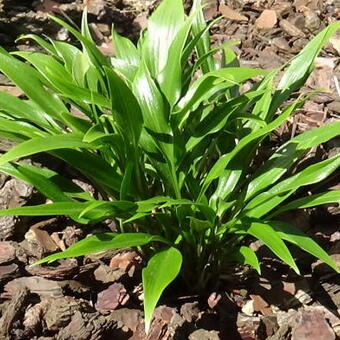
(168,136)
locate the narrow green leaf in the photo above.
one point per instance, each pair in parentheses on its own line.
(286,155)
(268,200)
(245,255)
(102,242)
(297,237)
(223,161)
(203,44)
(27,79)
(44,144)
(310,201)
(266,233)
(125,108)
(163,26)
(124,49)
(161,270)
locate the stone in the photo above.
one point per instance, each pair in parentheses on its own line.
(190,311)
(312,326)
(267,327)
(248,308)
(334,106)
(106,274)
(203,334)
(112,297)
(267,20)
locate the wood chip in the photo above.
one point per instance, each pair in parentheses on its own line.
(36,285)
(267,20)
(13,311)
(291,29)
(7,252)
(231,14)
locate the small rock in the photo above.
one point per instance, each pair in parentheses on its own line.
(95,7)
(210,9)
(268,327)
(89,326)
(335,43)
(141,21)
(203,334)
(312,21)
(127,261)
(267,20)
(214,299)
(248,308)
(111,298)
(281,43)
(166,322)
(260,305)
(231,14)
(106,274)
(126,317)
(190,311)
(60,311)
(7,252)
(247,326)
(312,326)
(291,29)
(334,106)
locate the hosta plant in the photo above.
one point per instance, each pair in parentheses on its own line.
(167,135)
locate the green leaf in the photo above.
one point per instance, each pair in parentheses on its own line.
(95,55)
(170,78)
(301,64)
(265,232)
(297,237)
(23,110)
(310,201)
(124,49)
(19,127)
(225,77)
(102,242)
(223,161)
(163,26)
(203,44)
(92,166)
(93,209)
(46,181)
(245,255)
(161,270)
(27,79)
(125,108)
(268,200)
(43,144)
(40,41)
(287,154)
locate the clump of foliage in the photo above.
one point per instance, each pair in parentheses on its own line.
(168,139)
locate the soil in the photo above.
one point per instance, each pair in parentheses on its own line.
(99,296)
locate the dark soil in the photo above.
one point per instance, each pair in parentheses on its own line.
(100,296)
